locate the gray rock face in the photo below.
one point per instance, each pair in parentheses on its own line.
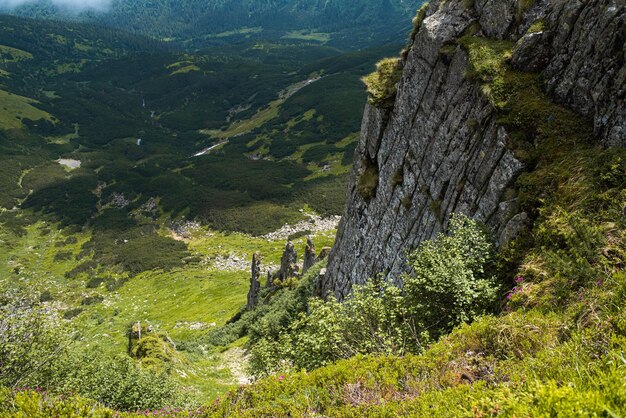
(288,266)
(310,256)
(255,282)
(439,150)
(587,71)
(289,263)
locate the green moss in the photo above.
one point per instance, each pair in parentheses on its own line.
(398,178)
(368,180)
(155,347)
(488,60)
(382,84)
(538,26)
(417,22)
(446,52)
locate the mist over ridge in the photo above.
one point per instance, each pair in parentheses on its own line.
(347,24)
(71,6)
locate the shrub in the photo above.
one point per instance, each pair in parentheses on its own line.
(448,284)
(95,282)
(63,256)
(92,300)
(36,403)
(448,287)
(31,342)
(373,320)
(72,313)
(117,382)
(46,296)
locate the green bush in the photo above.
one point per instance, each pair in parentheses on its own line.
(35,403)
(448,284)
(448,287)
(373,320)
(117,382)
(31,342)
(92,300)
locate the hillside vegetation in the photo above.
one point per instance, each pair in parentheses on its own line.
(555,345)
(104,266)
(87,94)
(195,23)
(136,182)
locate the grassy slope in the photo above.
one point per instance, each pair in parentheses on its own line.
(65,243)
(15,108)
(557,349)
(170,301)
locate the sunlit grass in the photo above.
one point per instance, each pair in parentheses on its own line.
(14,109)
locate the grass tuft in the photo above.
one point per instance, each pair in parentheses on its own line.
(382,84)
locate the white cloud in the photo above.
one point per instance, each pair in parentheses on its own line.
(76,5)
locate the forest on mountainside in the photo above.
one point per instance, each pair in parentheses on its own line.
(197,23)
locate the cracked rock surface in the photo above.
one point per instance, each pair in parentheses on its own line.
(440,150)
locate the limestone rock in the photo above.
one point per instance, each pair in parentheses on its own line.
(532,52)
(310,256)
(288,266)
(586,70)
(255,282)
(136,330)
(289,263)
(270,279)
(439,149)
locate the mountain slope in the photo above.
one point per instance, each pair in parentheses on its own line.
(347,23)
(98,91)
(555,344)
(136,182)
(444,146)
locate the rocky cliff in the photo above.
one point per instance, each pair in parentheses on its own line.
(438,148)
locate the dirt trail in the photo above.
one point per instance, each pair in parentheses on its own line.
(235,360)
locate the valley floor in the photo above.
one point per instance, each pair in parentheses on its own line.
(184,303)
